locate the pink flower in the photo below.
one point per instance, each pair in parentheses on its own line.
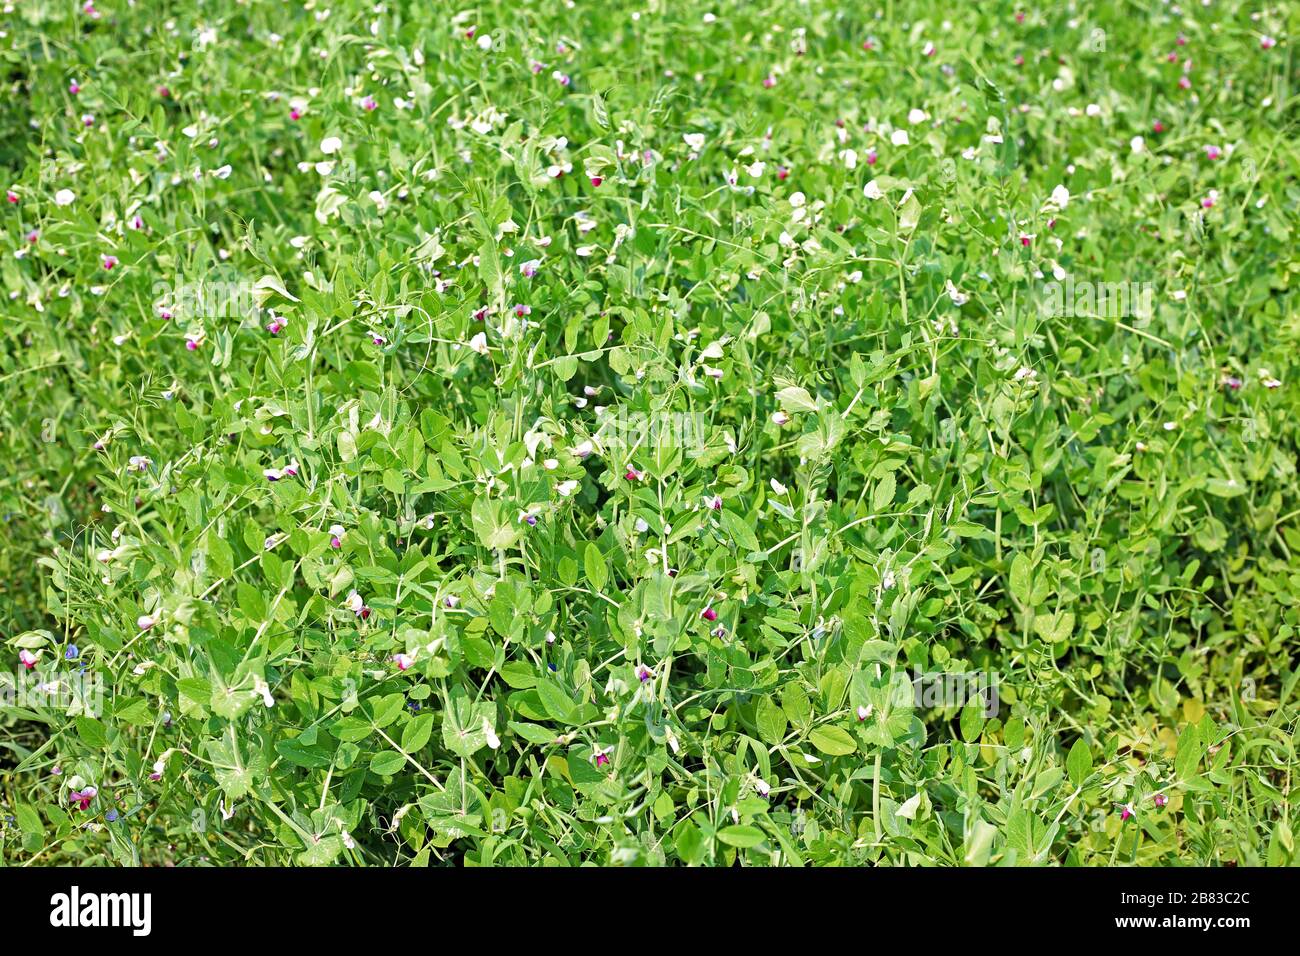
(83,797)
(863,712)
(871,157)
(1126,811)
(12,197)
(709,614)
(769,81)
(1210,199)
(192,344)
(164,92)
(1026,239)
(337,532)
(1181,41)
(1157,127)
(276,325)
(87,120)
(1160,800)
(716,503)
(644,673)
(601,755)
(782,173)
(481,314)
(522,310)
(1212,153)
(1184,82)
(74,87)
(596,181)
(530,268)
(33,236)
(137,222)
(295,114)
(562,78)
(869,44)
(110,262)
(27,659)
(403,661)
(1267,43)
(633,475)
(369,104)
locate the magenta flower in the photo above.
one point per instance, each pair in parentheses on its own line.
(644,673)
(1157,127)
(633,475)
(1126,811)
(74,87)
(369,104)
(276,325)
(522,310)
(596,181)
(709,614)
(12,197)
(110,262)
(27,659)
(782,173)
(83,797)
(481,314)
(1160,800)
(192,344)
(295,114)
(1212,152)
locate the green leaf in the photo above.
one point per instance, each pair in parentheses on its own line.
(593,563)
(739,531)
(417,732)
(770,719)
(1079,762)
(742,836)
(832,740)
(386,762)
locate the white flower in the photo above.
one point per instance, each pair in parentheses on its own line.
(493,740)
(694,140)
(222,172)
(899,137)
(1060,197)
(917,116)
(777,487)
(872,191)
(479,344)
(958,297)
(1137,144)
(64,197)
(331,145)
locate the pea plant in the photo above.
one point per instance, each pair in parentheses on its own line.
(648,434)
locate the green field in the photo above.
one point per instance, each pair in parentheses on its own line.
(797,434)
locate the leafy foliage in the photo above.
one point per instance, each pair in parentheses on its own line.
(535,436)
